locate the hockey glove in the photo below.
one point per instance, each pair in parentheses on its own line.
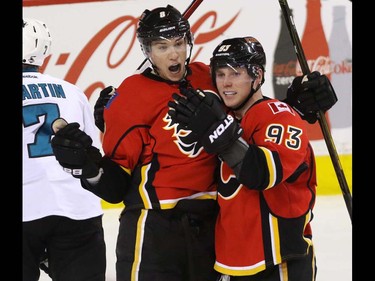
(74,151)
(203,114)
(196,110)
(101,102)
(222,135)
(309,94)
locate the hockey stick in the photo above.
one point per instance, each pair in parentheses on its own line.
(321,117)
(188,12)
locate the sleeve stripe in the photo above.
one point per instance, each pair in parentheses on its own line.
(271,167)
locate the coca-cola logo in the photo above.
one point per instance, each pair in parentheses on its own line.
(325,66)
(321,64)
(342,67)
(201,37)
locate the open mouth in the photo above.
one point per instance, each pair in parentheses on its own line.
(175,68)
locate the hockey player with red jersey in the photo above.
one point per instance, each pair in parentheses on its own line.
(267,182)
(165,180)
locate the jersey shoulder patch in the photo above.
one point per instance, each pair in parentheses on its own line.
(279,106)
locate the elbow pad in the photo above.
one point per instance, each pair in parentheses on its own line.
(112,184)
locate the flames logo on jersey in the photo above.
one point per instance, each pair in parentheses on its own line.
(185,139)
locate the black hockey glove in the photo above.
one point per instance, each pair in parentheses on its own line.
(101,102)
(196,110)
(74,151)
(310,94)
(221,135)
(203,114)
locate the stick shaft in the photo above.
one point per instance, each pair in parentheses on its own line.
(186,14)
(321,117)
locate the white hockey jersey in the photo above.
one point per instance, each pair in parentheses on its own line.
(47,189)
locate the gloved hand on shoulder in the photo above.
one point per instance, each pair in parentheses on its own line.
(203,114)
(196,110)
(74,151)
(309,94)
(101,102)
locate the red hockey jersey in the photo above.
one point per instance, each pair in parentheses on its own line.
(261,225)
(141,137)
